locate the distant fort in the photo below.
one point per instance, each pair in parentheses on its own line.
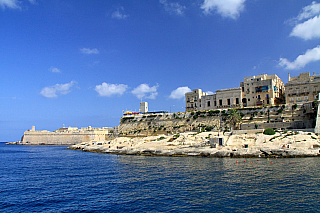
(66,136)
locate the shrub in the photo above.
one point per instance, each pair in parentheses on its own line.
(269,131)
(209,128)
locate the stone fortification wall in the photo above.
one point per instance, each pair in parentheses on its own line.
(165,123)
(301,116)
(64,136)
(53,138)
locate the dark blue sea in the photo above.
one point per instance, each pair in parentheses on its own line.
(54,179)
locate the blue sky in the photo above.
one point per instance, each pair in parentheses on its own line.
(82,62)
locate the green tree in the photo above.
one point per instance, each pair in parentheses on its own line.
(233,118)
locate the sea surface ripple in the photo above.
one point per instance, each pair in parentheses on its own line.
(54,179)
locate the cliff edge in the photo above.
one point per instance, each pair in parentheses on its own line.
(241,143)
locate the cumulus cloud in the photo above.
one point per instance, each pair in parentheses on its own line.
(179,92)
(108,90)
(118,14)
(145,91)
(13,4)
(309,11)
(54,69)
(173,7)
(307,23)
(301,61)
(210,92)
(53,91)
(89,51)
(226,8)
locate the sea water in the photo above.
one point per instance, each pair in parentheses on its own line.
(55,179)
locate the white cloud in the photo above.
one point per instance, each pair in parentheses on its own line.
(54,69)
(53,91)
(309,11)
(13,4)
(144,91)
(118,14)
(307,30)
(226,8)
(108,90)
(311,55)
(173,7)
(89,51)
(307,23)
(179,92)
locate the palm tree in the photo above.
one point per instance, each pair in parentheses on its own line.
(233,118)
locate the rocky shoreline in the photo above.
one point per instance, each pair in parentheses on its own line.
(212,144)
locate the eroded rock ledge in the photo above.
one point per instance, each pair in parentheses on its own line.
(206,144)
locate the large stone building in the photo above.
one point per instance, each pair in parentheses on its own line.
(262,90)
(253,91)
(224,98)
(193,99)
(303,88)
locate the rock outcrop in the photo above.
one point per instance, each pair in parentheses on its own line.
(212,144)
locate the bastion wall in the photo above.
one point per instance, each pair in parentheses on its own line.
(301,116)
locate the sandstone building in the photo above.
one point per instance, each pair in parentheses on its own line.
(262,90)
(253,91)
(193,99)
(302,89)
(224,98)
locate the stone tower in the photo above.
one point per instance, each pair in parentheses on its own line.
(143,107)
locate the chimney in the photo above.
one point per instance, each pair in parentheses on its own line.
(289,78)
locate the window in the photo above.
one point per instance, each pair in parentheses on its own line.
(208,103)
(220,102)
(188,99)
(237,100)
(249,99)
(215,103)
(195,104)
(228,100)
(195,99)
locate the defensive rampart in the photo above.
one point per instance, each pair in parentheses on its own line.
(300,116)
(64,136)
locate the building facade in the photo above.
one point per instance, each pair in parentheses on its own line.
(193,99)
(253,91)
(224,98)
(262,90)
(303,88)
